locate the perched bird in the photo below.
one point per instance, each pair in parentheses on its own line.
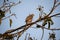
(29,18)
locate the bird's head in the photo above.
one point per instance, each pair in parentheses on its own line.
(32,14)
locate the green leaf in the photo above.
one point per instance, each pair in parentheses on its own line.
(48,25)
(10,22)
(52,22)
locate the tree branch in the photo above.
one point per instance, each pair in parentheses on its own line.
(55,15)
(21,27)
(50,28)
(52,8)
(8,16)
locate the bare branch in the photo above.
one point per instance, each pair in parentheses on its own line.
(55,15)
(54,6)
(26,36)
(42,34)
(29,24)
(8,16)
(13,4)
(50,28)
(57,4)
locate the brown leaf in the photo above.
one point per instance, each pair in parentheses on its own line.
(0,21)
(10,22)
(2,14)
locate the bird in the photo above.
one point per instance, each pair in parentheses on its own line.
(29,18)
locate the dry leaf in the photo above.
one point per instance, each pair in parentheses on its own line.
(10,22)
(0,21)
(2,14)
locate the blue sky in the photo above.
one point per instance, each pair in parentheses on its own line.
(25,8)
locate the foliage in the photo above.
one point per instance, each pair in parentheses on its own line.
(6,7)
(46,19)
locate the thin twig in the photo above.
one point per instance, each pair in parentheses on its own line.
(42,34)
(55,15)
(52,8)
(8,16)
(26,36)
(21,27)
(50,28)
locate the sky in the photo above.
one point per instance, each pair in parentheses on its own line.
(25,8)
